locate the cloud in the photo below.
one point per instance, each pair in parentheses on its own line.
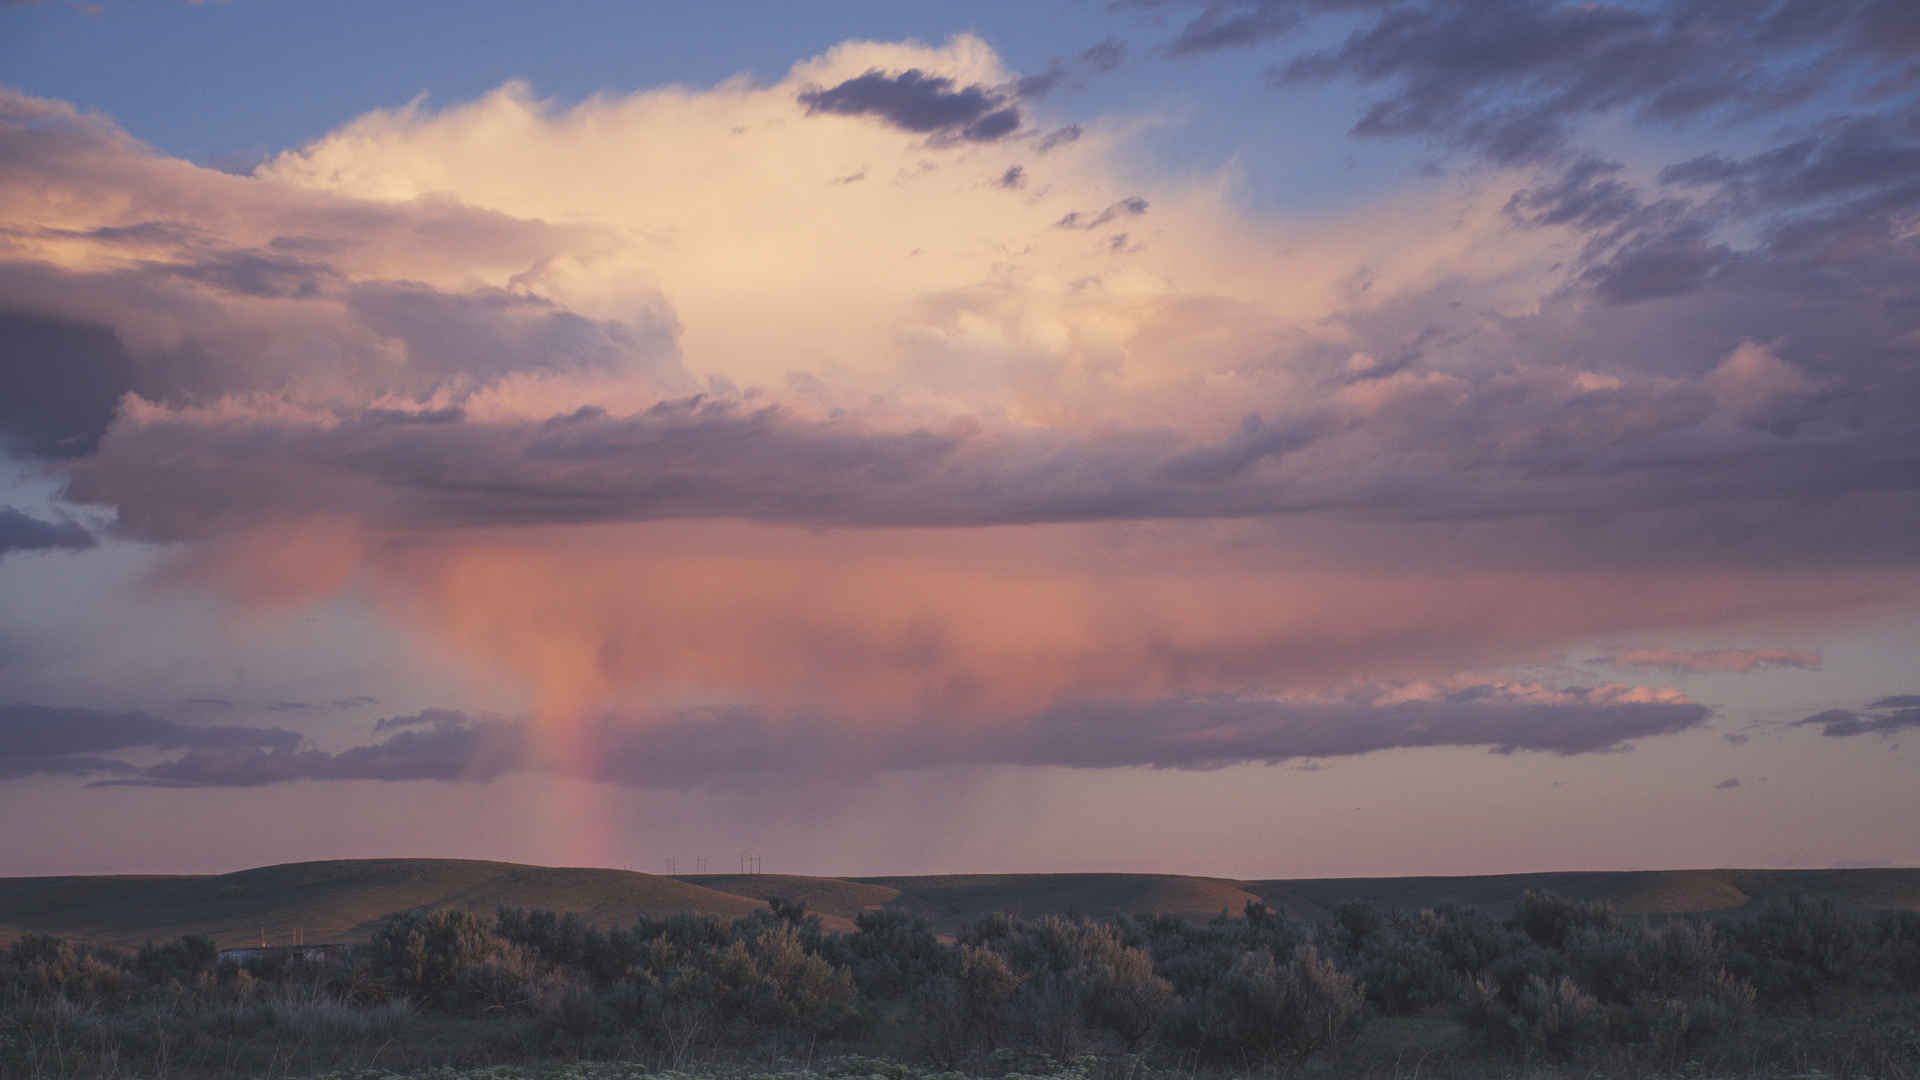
(1106,55)
(474,751)
(1729,782)
(59,383)
(23,532)
(1883,717)
(1709,661)
(424,718)
(916,101)
(1510,80)
(726,430)
(49,740)
(1133,206)
(729,745)
(1223,26)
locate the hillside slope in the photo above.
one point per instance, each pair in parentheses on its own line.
(344,900)
(339,900)
(950,900)
(1632,892)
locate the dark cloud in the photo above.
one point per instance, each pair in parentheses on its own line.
(916,101)
(1133,206)
(491,332)
(1589,194)
(1015,177)
(60,381)
(258,274)
(1508,78)
(1035,86)
(1504,446)
(40,739)
(23,532)
(1871,157)
(1059,137)
(1729,782)
(1223,26)
(476,750)
(1883,717)
(1661,264)
(724,745)
(1105,56)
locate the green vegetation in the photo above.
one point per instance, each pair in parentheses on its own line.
(1556,986)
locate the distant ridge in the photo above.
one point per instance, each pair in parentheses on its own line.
(345,900)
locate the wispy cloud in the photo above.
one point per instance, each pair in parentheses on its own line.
(24,532)
(1883,717)
(1706,661)
(727,746)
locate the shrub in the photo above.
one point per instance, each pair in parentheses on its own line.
(1797,951)
(1550,1016)
(1549,919)
(1263,1010)
(448,957)
(1897,945)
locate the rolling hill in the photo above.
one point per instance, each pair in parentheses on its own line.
(335,901)
(345,900)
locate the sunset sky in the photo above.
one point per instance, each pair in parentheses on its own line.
(1266,438)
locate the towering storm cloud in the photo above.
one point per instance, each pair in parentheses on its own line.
(901,411)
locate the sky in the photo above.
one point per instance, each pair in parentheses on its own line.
(1262,438)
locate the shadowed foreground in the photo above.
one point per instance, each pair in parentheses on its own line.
(1555,987)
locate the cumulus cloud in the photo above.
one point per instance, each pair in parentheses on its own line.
(727,428)
(724,745)
(1883,717)
(1710,661)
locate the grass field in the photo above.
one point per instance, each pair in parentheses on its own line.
(344,900)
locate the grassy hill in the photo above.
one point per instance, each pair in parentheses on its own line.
(1633,892)
(344,900)
(834,898)
(335,901)
(950,900)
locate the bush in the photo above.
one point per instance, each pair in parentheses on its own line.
(449,958)
(1550,1016)
(1549,919)
(1265,1011)
(1798,951)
